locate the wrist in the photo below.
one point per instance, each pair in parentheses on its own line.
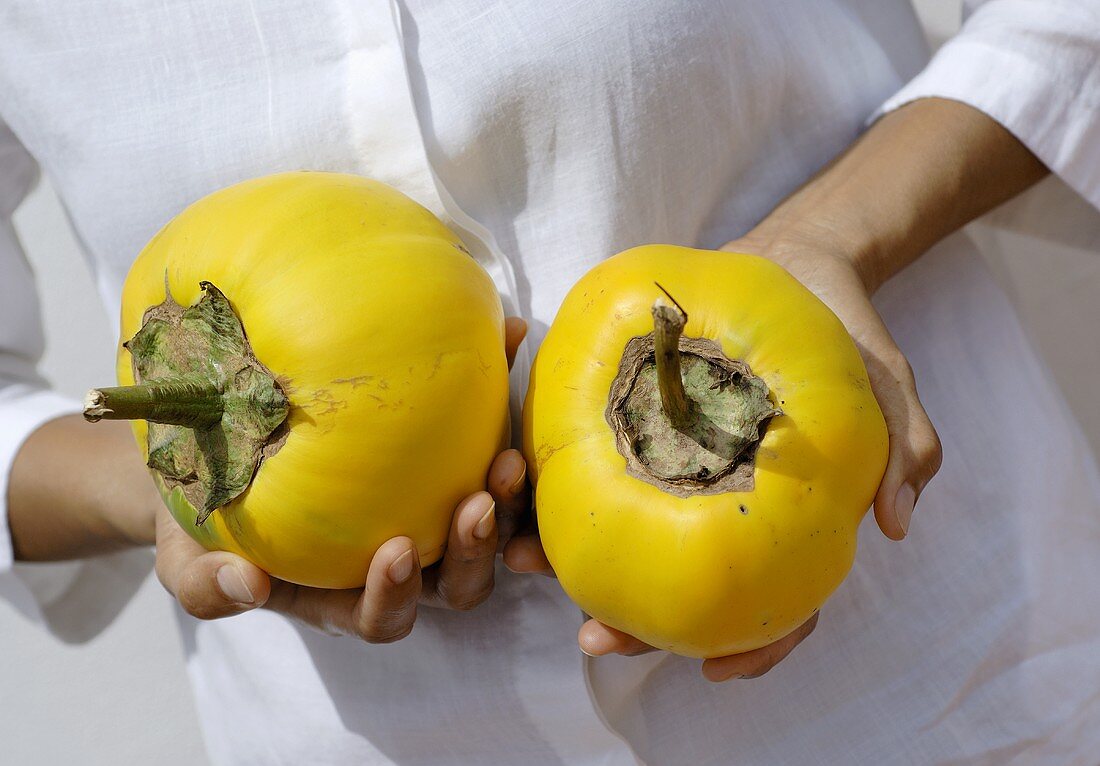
(811,228)
(917,175)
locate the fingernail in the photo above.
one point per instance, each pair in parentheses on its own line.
(402,568)
(484,526)
(517,485)
(586,653)
(232,585)
(903,506)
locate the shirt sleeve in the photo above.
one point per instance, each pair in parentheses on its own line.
(1034,67)
(25,400)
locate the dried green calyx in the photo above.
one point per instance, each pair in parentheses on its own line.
(214,411)
(687,418)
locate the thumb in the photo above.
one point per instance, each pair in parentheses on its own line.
(915,450)
(208,584)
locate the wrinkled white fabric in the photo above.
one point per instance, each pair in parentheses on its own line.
(555,134)
(1047,49)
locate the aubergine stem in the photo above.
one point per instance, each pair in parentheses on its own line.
(668,326)
(194,402)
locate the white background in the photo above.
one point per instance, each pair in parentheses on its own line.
(122,696)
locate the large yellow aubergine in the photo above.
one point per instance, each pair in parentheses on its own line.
(699,485)
(321,367)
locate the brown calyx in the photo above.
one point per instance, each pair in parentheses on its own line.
(686,417)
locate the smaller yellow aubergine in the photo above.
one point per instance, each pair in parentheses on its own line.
(702,461)
(313,364)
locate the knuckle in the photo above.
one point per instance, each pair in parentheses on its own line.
(200,598)
(932,451)
(927,451)
(470,602)
(388,626)
(463,600)
(385,634)
(195,606)
(901,367)
(389,638)
(469,556)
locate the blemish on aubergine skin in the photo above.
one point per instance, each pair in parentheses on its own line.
(544,453)
(355,381)
(324,403)
(436,364)
(483,365)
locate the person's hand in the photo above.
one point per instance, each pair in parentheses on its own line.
(818,261)
(524,553)
(919,174)
(212,584)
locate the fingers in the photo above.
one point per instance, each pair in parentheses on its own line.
(382,612)
(597,639)
(507,483)
(915,451)
(524,554)
(387,609)
(464,578)
(515,329)
(759,661)
(208,584)
(218,584)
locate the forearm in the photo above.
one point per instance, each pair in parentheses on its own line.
(77,490)
(917,175)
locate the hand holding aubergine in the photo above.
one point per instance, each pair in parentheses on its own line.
(316,374)
(919,174)
(212,584)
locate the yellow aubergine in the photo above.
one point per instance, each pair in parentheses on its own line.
(699,485)
(321,367)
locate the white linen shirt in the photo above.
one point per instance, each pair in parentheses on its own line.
(553,135)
